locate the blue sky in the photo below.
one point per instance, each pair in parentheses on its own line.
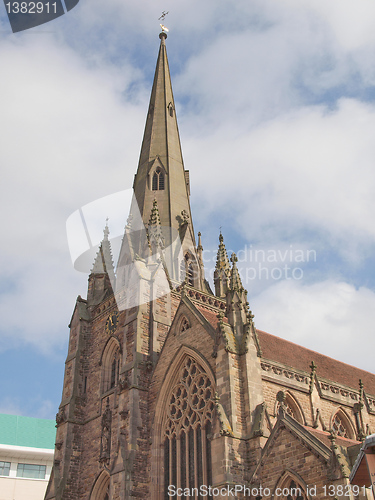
(275,103)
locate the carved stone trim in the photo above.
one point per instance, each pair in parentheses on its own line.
(209,301)
(60,417)
(340,391)
(284,372)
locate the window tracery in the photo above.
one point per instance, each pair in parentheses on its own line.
(158,180)
(185,325)
(340,425)
(291,408)
(187,446)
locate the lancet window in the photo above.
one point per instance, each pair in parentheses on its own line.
(294,491)
(115,368)
(158,180)
(187,432)
(111,361)
(289,488)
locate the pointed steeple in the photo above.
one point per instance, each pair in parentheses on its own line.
(161,176)
(222,270)
(101,279)
(161,168)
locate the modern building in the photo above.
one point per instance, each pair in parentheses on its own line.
(26,456)
(363,472)
(169,388)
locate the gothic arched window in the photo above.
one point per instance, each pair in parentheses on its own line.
(292,408)
(111,359)
(289,488)
(158,180)
(295,491)
(115,368)
(341,425)
(187,432)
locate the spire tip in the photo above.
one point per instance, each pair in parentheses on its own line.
(163,35)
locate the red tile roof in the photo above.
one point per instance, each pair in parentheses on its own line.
(210,316)
(296,356)
(324,438)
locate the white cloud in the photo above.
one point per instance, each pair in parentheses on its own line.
(68,136)
(73,110)
(333,318)
(311,169)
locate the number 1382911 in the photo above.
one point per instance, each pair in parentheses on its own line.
(31,7)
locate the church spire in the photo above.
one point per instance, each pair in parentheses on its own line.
(161,138)
(161,176)
(161,173)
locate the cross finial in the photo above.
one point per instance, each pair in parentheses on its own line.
(164,29)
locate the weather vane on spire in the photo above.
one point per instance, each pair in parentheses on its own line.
(162,17)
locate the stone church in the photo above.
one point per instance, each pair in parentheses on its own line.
(169,389)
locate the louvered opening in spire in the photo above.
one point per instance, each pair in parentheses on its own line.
(161,172)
